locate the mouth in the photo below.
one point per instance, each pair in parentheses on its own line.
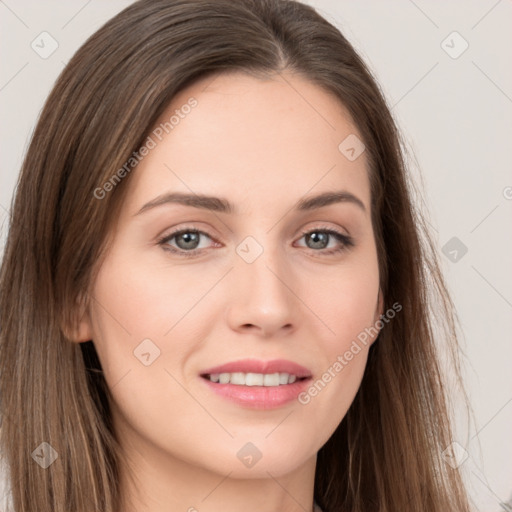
(258,384)
(253,379)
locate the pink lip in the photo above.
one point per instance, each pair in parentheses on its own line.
(259,397)
(257,366)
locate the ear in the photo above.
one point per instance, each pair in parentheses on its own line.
(78,328)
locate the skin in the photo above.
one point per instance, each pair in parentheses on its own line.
(263,144)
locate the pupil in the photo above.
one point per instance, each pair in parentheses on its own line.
(190,238)
(319,240)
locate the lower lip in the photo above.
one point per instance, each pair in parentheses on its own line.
(259,397)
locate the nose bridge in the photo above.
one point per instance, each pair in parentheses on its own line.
(261,294)
(262,263)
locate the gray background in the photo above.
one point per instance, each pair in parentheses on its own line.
(456,114)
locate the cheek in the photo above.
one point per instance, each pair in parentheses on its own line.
(140,309)
(143,337)
(346,302)
(347,306)
(144,300)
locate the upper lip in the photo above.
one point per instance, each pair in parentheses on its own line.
(259,366)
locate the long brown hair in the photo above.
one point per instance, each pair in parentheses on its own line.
(386,454)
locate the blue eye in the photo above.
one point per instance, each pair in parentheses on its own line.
(321,237)
(187,240)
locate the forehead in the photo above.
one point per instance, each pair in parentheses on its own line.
(250,138)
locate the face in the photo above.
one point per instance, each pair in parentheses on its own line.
(215,320)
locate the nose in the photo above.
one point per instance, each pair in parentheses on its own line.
(261,296)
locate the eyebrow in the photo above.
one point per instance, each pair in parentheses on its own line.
(221,205)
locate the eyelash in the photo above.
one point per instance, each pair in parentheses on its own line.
(346,241)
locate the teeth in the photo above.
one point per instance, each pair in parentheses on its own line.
(271,379)
(237,378)
(253,379)
(283,378)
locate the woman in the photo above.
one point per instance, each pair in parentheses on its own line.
(216,291)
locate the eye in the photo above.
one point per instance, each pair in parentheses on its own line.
(319,238)
(186,241)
